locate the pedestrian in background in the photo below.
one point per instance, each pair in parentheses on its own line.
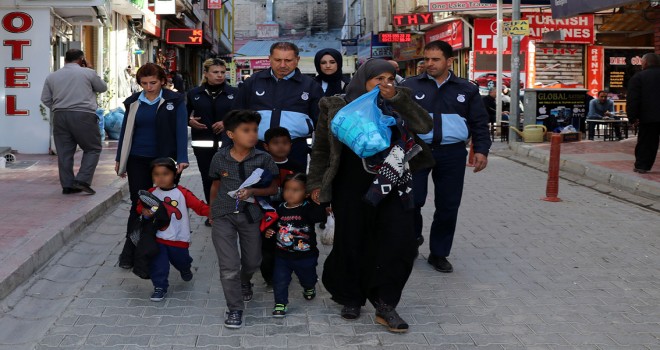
(374,244)
(642,108)
(284,97)
(602,108)
(398,79)
(458,113)
(420,68)
(207,106)
(154,127)
(70,93)
(328,63)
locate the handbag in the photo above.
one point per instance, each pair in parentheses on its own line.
(362,126)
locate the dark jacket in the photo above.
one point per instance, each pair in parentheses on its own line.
(291,103)
(643,96)
(459,97)
(167,123)
(209,109)
(147,247)
(327,148)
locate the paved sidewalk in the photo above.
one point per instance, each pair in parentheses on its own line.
(37,219)
(580,274)
(606,162)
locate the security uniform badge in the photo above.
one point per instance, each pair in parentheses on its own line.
(170,106)
(420,97)
(305,96)
(460,98)
(230,97)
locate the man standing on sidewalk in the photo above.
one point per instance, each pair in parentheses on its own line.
(284,97)
(458,113)
(70,93)
(642,107)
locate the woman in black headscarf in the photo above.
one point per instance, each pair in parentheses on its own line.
(374,245)
(328,64)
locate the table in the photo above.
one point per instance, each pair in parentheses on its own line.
(609,126)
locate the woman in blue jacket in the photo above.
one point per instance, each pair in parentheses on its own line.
(154,127)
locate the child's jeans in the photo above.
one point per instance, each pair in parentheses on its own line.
(160,266)
(304,268)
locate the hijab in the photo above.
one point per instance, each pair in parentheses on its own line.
(335,79)
(370,69)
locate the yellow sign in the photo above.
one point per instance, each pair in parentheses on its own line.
(517,27)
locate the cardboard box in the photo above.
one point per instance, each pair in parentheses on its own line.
(566,137)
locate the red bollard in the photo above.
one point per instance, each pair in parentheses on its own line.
(552,188)
(471,156)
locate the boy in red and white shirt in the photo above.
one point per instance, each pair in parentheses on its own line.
(173,240)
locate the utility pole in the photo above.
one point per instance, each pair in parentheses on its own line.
(499,63)
(514,111)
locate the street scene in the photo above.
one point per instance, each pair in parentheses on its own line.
(336,174)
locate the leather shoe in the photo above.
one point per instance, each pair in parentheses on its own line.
(79,185)
(70,190)
(440,263)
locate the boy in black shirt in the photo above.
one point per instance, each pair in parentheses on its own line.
(278,144)
(295,248)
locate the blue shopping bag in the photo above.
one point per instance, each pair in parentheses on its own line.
(362,126)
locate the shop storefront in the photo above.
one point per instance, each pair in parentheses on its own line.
(370,47)
(408,53)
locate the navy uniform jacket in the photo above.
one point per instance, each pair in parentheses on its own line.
(457,109)
(290,103)
(210,110)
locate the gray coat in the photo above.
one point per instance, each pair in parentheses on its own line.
(327,148)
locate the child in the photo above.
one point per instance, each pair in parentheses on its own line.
(173,240)
(235,217)
(278,144)
(296,249)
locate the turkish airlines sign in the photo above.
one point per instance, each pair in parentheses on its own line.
(577,30)
(451,32)
(412,19)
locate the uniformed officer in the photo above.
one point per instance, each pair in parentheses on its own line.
(458,114)
(207,105)
(284,97)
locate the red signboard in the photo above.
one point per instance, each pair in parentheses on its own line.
(595,69)
(577,30)
(485,37)
(393,37)
(412,19)
(214,4)
(451,32)
(260,63)
(184,36)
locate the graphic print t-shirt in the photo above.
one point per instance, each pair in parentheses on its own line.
(294,232)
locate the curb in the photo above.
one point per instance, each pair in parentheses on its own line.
(588,173)
(45,243)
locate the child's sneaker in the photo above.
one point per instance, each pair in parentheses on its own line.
(309,293)
(279,310)
(234,319)
(186,275)
(246,290)
(158,294)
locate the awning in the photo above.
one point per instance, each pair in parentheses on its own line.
(570,8)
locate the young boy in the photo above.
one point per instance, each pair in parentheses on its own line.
(278,144)
(234,217)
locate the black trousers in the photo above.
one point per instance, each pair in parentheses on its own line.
(648,138)
(204,157)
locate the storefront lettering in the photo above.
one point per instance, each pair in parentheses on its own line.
(16,77)
(618,61)
(560,51)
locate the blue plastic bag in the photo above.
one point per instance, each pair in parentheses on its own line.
(100,112)
(113,122)
(362,127)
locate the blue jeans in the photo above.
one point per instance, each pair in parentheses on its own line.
(160,266)
(304,268)
(448,175)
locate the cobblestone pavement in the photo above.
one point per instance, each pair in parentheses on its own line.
(529,274)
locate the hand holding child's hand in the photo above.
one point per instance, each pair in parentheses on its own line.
(269,233)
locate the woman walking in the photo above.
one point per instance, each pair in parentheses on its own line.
(207,106)
(329,64)
(154,127)
(374,245)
